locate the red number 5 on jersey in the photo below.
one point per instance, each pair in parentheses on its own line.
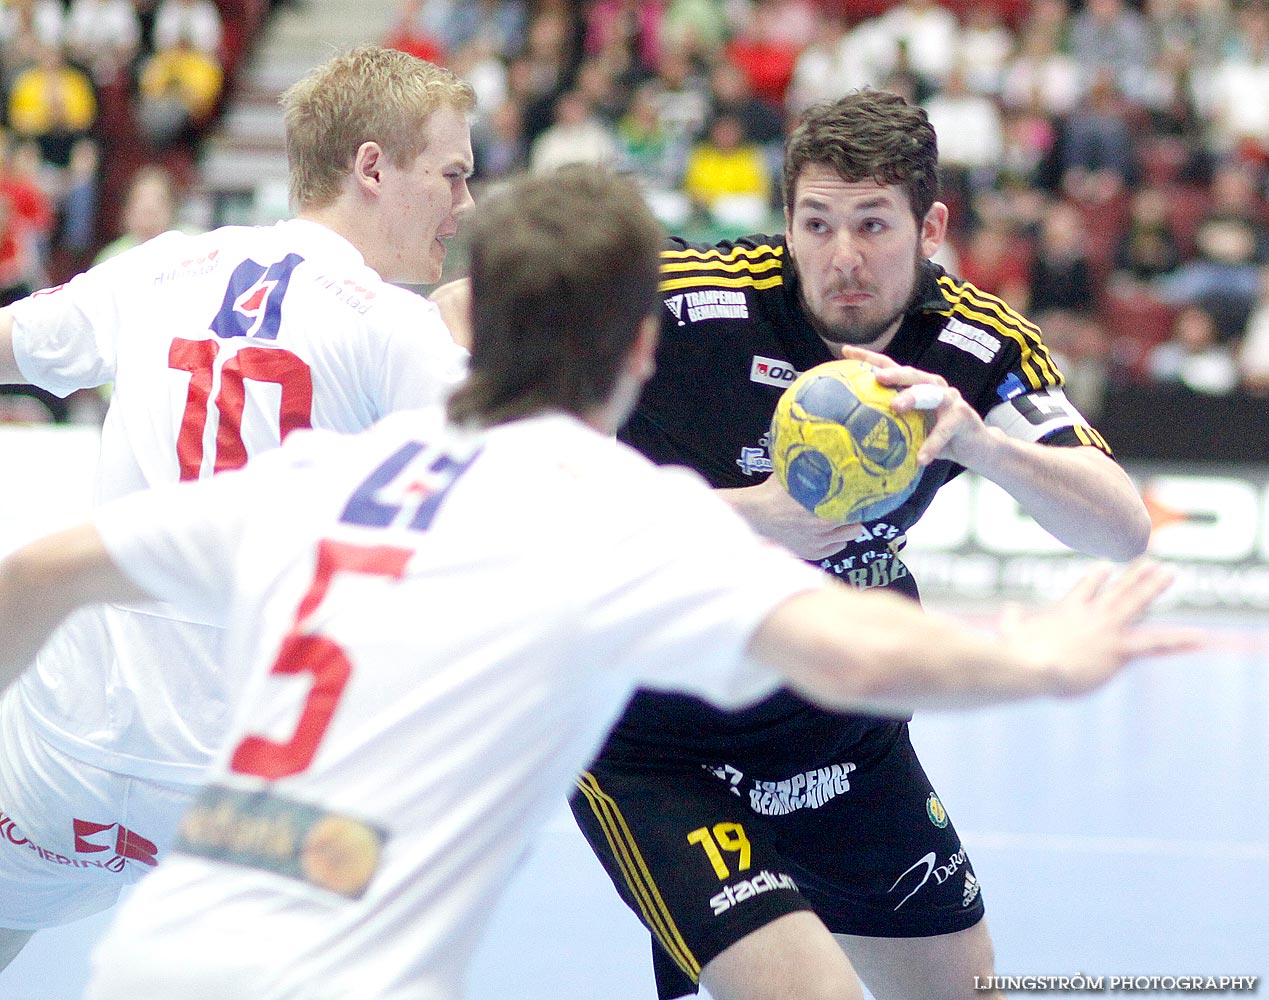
(304,652)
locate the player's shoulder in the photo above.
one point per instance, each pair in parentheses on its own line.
(173,250)
(647,490)
(579,455)
(388,297)
(722,284)
(328,455)
(337,269)
(965,303)
(406,425)
(986,327)
(179,256)
(751,262)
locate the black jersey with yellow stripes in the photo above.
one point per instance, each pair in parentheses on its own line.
(734,334)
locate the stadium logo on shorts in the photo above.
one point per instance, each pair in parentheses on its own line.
(747,888)
(934,809)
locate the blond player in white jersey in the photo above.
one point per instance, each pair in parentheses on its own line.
(218,346)
(442,615)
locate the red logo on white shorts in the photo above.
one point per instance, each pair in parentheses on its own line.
(128,846)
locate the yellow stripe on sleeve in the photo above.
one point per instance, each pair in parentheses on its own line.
(751,266)
(714,254)
(712,281)
(1092,438)
(990,311)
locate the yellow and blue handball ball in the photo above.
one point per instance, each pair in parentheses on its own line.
(838,447)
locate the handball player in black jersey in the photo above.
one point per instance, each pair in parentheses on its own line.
(785,850)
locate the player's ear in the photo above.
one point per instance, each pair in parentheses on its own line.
(933,229)
(367,165)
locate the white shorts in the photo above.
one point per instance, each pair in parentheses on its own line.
(72,835)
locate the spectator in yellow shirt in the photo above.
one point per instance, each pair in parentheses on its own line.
(727,175)
(179,88)
(52,103)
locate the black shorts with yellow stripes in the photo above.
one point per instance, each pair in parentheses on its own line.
(705,855)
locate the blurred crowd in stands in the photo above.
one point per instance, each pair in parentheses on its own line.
(75,75)
(1106,162)
(104,104)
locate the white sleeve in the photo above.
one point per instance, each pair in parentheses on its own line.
(64,337)
(420,363)
(682,592)
(179,542)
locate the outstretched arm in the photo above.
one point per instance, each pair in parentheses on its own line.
(44,582)
(879,652)
(1079,495)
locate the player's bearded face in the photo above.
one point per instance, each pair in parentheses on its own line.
(857,250)
(863,326)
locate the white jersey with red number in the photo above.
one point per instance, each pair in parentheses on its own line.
(218,346)
(441,627)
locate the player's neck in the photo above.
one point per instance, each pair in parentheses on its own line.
(340,221)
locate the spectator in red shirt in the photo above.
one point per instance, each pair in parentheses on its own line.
(409,34)
(20,185)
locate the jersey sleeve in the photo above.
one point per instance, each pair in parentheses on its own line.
(64,338)
(1029,402)
(179,542)
(1019,390)
(685,588)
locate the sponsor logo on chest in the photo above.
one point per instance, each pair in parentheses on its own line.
(713,303)
(772,371)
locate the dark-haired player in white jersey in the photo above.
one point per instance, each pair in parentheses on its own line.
(442,616)
(218,346)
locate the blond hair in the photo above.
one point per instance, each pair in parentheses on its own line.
(370,93)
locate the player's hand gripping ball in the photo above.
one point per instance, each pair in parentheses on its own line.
(839,449)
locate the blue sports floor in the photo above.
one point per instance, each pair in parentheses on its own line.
(1126,833)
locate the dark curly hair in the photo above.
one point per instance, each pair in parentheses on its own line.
(867,135)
